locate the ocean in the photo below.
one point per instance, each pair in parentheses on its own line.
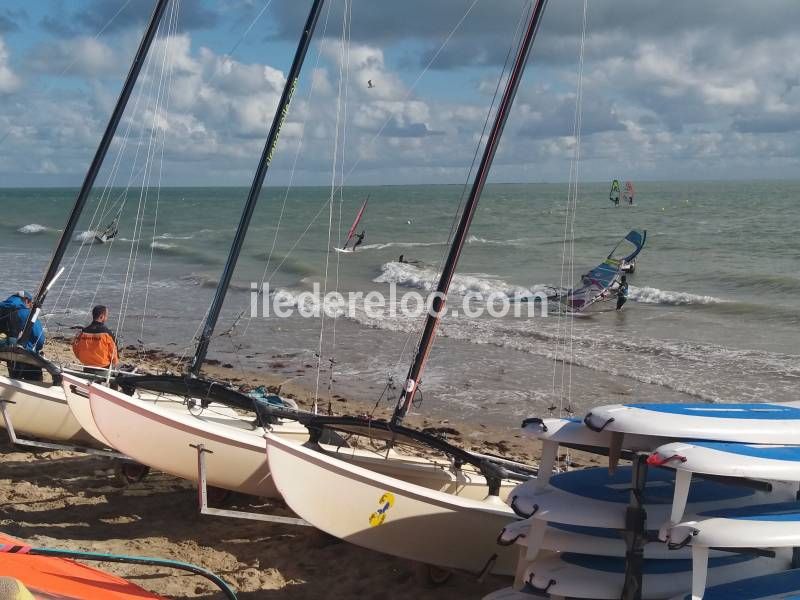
(713,316)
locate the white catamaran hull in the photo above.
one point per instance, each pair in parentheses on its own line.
(76,393)
(41,411)
(389,515)
(164,435)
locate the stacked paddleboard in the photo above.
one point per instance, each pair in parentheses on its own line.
(712,514)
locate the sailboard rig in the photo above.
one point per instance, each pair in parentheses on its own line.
(109,233)
(601,283)
(629,193)
(613,194)
(351,234)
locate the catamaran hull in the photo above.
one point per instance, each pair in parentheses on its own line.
(40,411)
(166,439)
(388,515)
(76,393)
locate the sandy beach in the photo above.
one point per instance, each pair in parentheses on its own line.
(69,500)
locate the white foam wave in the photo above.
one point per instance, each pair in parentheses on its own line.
(651,295)
(86,237)
(162,246)
(474,239)
(33,228)
(399,245)
(172,236)
(407,275)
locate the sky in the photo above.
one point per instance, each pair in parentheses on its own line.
(399,92)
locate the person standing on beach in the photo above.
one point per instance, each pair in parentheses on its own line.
(622,292)
(14,313)
(95,345)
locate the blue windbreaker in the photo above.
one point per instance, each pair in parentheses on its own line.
(18,316)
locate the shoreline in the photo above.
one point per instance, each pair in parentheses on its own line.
(69,500)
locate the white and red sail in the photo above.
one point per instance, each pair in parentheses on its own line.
(357,220)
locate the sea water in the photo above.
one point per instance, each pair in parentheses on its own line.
(713,315)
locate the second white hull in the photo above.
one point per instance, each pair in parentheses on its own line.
(164,435)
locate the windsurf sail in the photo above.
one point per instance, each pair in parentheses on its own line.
(109,232)
(354,226)
(633,243)
(613,195)
(600,284)
(629,192)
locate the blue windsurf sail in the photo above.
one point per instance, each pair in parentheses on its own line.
(600,283)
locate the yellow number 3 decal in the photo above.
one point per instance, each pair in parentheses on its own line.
(386,501)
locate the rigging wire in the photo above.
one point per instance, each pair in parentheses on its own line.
(334,164)
(563,355)
(169,59)
(416,330)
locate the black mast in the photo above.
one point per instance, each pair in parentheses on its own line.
(503,109)
(255,188)
(97,162)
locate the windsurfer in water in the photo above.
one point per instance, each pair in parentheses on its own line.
(359,240)
(622,292)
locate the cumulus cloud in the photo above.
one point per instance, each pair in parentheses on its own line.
(78,57)
(9,81)
(686,88)
(96,15)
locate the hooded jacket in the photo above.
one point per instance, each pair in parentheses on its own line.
(95,346)
(13,316)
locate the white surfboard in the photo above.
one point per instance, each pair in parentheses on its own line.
(731,459)
(602,578)
(775,526)
(344,250)
(595,498)
(726,459)
(758,526)
(778,586)
(572,432)
(754,423)
(556,432)
(584,540)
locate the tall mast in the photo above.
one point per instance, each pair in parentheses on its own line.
(255,188)
(434,316)
(97,162)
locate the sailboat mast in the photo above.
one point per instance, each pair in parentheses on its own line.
(432,322)
(97,162)
(255,188)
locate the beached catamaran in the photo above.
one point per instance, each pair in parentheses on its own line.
(164,421)
(38,409)
(379,504)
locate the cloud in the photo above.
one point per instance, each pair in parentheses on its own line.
(78,57)
(9,19)
(62,20)
(678,89)
(9,81)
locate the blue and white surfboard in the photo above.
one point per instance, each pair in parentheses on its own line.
(595,498)
(778,586)
(584,576)
(753,423)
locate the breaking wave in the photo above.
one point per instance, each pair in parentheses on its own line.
(34,228)
(651,295)
(422,278)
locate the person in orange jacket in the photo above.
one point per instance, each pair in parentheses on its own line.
(95,345)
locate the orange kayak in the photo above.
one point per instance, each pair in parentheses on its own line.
(48,578)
